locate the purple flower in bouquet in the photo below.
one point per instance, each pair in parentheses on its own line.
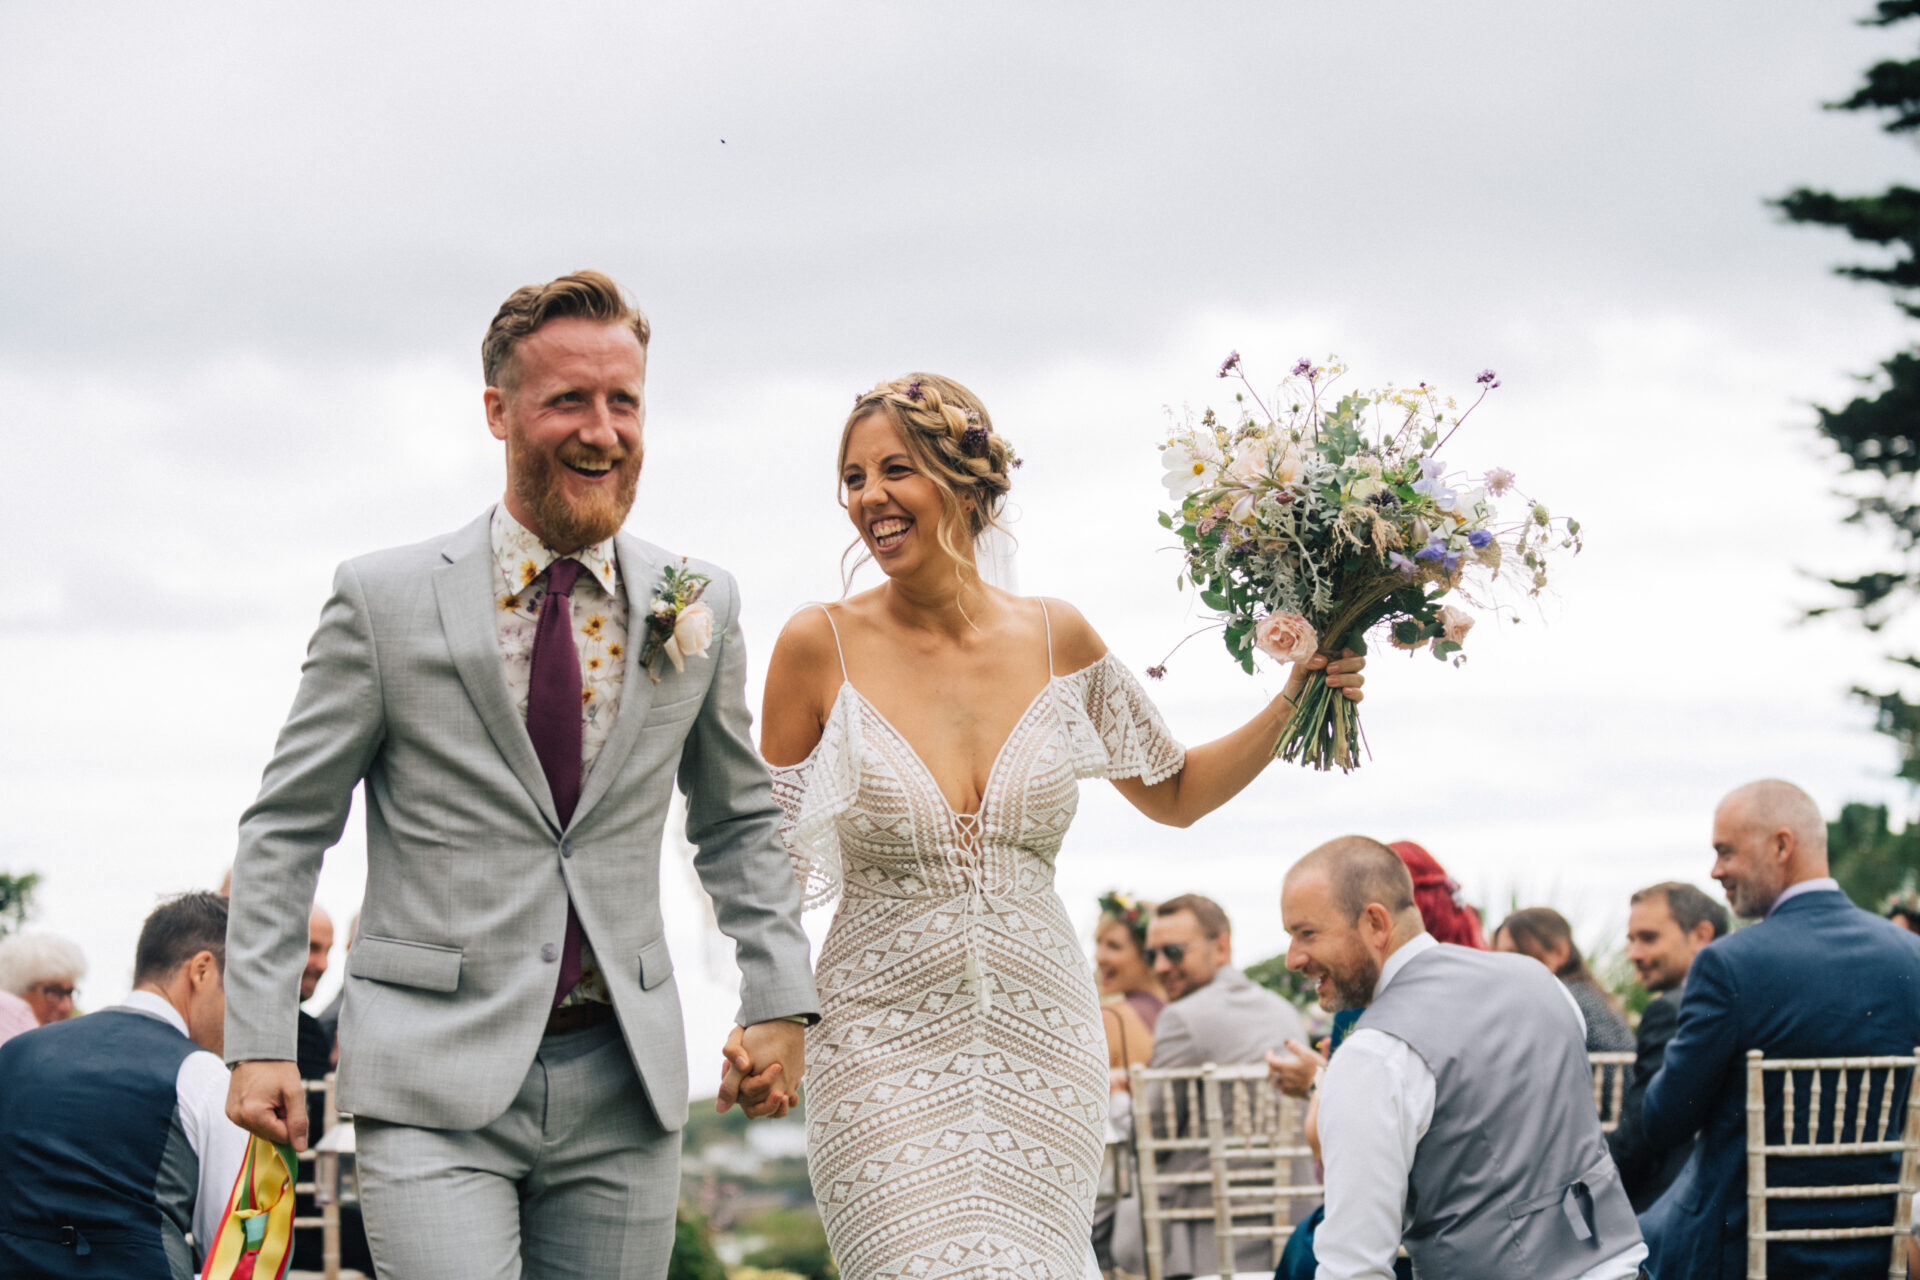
(1302,367)
(1403,564)
(1479,538)
(1435,552)
(1231,363)
(1488,378)
(1429,483)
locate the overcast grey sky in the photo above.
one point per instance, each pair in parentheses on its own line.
(249,252)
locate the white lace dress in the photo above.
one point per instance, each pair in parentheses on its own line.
(957,1079)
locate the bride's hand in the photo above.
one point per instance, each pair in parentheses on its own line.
(1344,672)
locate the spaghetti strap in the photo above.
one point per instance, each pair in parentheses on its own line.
(1045,618)
(843,653)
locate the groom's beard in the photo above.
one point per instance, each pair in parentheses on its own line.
(565,526)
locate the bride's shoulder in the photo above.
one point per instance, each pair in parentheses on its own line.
(807,637)
(1075,643)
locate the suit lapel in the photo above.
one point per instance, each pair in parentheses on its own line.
(639,577)
(464,588)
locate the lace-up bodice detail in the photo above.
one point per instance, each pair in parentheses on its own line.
(863,814)
(958,1075)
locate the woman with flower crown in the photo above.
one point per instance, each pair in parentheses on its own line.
(927,739)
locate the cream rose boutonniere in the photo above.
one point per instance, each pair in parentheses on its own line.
(678,625)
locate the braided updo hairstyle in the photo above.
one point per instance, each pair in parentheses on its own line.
(951,439)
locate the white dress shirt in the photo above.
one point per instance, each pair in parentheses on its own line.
(200,1091)
(1376,1104)
(1820,885)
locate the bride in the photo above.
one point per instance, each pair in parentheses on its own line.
(927,739)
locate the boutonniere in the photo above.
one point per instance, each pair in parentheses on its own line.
(678,625)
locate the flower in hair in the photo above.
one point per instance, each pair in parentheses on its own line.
(1129,911)
(973,442)
(914,393)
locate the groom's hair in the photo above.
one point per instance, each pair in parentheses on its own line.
(591,295)
(178,930)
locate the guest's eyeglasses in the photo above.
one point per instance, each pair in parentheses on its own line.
(53,991)
(1175,952)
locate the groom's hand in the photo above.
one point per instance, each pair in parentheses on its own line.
(267,1099)
(764,1064)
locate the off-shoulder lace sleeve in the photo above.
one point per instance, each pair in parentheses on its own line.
(1114,728)
(812,795)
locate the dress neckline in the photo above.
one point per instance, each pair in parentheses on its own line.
(993,769)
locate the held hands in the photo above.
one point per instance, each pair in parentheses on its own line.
(763,1067)
(1343,673)
(1293,1074)
(267,1099)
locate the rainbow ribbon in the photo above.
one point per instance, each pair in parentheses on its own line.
(255,1238)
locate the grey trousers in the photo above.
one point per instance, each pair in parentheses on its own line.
(577,1179)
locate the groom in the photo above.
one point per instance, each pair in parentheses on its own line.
(514,1057)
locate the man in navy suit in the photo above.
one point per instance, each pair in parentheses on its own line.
(1816,978)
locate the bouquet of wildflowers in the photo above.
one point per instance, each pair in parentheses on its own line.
(1310,527)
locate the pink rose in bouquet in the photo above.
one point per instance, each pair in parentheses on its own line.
(1454,623)
(1287,636)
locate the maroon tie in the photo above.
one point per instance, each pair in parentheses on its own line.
(553,722)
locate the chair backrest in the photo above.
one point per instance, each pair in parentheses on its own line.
(1609,1085)
(1227,1129)
(1859,1119)
(315,1167)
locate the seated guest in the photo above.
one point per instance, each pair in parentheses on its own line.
(329,1017)
(1667,925)
(1443,907)
(1457,1118)
(1215,1013)
(314,1055)
(117,1137)
(42,970)
(1119,960)
(1130,1002)
(1816,978)
(1545,935)
(314,1047)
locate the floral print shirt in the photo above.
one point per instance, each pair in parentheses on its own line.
(599,608)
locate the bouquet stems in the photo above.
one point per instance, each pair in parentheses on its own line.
(1324,730)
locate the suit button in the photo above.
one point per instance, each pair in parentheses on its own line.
(566,849)
(549,952)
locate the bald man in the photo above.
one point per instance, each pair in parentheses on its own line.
(1816,978)
(1458,1117)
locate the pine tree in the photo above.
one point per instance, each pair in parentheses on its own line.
(1878,435)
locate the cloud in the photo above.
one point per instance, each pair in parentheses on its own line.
(251,253)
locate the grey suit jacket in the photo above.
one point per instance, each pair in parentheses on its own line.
(1232,1019)
(468,872)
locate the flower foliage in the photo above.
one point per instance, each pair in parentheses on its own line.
(1332,515)
(678,625)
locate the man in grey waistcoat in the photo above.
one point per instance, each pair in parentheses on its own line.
(1457,1118)
(520,698)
